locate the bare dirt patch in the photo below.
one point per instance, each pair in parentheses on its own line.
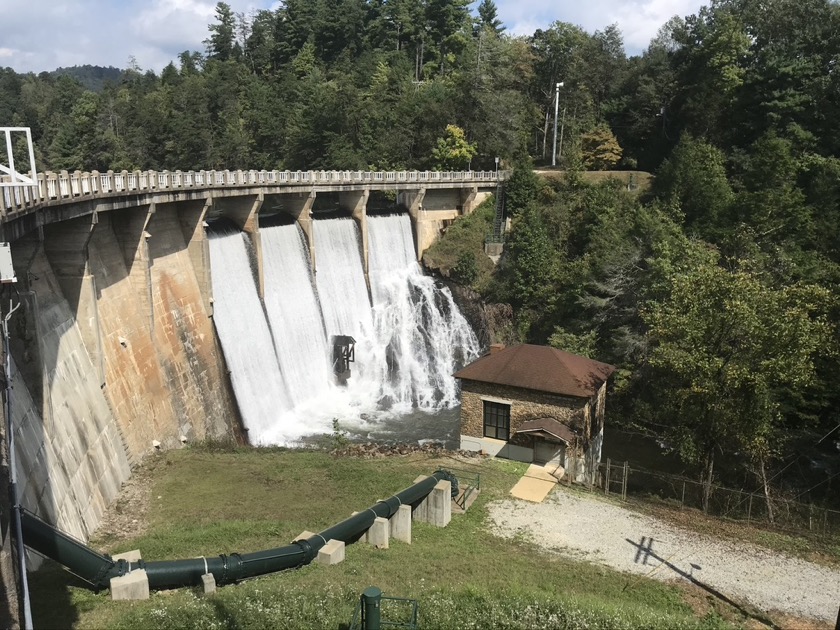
(127,517)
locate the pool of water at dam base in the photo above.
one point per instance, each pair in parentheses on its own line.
(411,428)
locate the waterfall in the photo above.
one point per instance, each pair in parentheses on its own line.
(416,322)
(410,336)
(341,278)
(294,313)
(245,337)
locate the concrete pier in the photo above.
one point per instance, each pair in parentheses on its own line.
(401,524)
(436,508)
(379,533)
(331,553)
(131,586)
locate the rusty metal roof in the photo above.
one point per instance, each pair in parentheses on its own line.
(547,428)
(540,368)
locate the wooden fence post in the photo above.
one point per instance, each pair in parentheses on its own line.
(682,500)
(749,508)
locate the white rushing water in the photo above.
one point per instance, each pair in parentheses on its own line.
(293,312)
(417,323)
(246,339)
(410,336)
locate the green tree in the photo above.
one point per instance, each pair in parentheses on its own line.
(222,44)
(529,262)
(600,149)
(560,55)
(770,200)
(724,346)
(453,152)
(488,17)
(694,178)
(521,188)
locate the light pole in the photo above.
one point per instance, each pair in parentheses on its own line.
(497,168)
(556,104)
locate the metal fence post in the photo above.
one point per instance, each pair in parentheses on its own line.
(624,483)
(749,508)
(607,481)
(371,608)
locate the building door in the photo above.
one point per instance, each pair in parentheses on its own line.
(544,451)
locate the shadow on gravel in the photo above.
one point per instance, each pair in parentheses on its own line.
(645,552)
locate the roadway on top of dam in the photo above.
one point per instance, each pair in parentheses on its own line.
(63,196)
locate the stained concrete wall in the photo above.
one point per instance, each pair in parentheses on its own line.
(430,209)
(115,349)
(184,336)
(71,459)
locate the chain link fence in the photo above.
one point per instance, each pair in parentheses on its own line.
(620,479)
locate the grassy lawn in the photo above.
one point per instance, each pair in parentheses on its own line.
(206,503)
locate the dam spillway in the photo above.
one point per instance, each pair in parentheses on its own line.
(117,347)
(244,334)
(410,336)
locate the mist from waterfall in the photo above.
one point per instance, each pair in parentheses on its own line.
(410,336)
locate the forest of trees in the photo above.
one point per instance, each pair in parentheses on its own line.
(716,293)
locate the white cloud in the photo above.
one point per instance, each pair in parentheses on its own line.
(42,35)
(638,20)
(169,23)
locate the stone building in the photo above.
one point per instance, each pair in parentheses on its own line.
(535,404)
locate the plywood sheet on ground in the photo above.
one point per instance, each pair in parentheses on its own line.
(534,485)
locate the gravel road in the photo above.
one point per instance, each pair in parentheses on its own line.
(587,528)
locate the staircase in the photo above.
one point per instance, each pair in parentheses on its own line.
(494,243)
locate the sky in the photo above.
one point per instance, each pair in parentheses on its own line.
(38,35)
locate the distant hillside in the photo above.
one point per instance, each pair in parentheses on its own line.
(91,77)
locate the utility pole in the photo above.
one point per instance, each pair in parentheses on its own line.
(556,107)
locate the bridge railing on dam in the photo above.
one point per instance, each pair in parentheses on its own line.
(72,186)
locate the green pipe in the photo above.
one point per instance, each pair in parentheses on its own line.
(97,570)
(80,559)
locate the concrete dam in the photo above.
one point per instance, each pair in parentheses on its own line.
(162,308)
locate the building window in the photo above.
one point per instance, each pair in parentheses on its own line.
(496,420)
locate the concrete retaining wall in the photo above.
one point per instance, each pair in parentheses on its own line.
(115,349)
(71,460)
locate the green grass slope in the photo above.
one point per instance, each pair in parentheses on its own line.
(207,503)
